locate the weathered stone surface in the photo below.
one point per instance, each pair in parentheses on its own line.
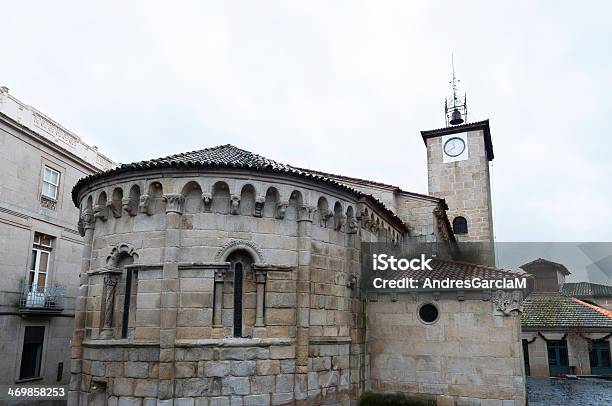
(236,386)
(136,369)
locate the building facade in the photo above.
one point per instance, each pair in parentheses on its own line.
(563,334)
(39,243)
(220,277)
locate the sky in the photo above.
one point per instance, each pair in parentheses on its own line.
(343,87)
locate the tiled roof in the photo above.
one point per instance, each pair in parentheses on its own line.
(557,310)
(371,183)
(542,261)
(456,270)
(229,156)
(587,289)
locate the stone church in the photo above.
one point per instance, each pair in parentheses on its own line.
(218,277)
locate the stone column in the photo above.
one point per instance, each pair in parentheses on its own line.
(110,286)
(169,296)
(218,306)
(303,304)
(260,280)
(86,228)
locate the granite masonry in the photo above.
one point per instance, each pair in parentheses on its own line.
(220,277)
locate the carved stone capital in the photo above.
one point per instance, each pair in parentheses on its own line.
(260,275)
(507,302)
(259,204)
(207,200)
(174,203)
(86,221)
(235,204)
(130,207)
(100,211)
(324,216)
(352,226)
(281,209)
(305,213)
(219,274)
(339,222)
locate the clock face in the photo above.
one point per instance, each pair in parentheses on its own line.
(454,147)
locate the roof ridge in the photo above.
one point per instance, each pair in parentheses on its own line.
(603,311)
(489,267)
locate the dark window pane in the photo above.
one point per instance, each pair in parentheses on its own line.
(32,352)
(428,313)
(552,356)
(460,225)
(238,300)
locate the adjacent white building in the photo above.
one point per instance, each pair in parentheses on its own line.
(40,246)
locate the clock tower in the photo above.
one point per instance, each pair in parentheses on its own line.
(458,170)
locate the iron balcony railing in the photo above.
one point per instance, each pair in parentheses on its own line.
(49,297)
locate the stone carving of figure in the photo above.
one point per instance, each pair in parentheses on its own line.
(281,209)
(145,204)
(100,211)
(259,204)
(129,206)
(235,205)
(339,222)
(207,200)
(352,226)
(110,286)
(507,302)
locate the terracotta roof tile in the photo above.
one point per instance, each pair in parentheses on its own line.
(587,289)
(229,156)
(557,310)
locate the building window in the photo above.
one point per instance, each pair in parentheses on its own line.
(31,356)
(238,299)
(460,225)
(428,313)
(51,179)
(39,268)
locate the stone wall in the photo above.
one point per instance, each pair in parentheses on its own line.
(471,353)
(465,185)
(303,327)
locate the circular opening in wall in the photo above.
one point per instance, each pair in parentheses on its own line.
(428,313)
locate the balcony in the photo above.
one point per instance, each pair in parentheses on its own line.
(41,300)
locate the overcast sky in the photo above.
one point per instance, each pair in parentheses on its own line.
(343,87)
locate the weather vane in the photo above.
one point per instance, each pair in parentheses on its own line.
(455,109)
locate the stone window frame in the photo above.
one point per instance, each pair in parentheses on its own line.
(418,312)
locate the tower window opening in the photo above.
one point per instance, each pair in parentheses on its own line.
(460,225)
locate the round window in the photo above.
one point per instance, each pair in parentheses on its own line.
(428,313)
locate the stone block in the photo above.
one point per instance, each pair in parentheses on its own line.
(256,400)
(236,386)
(217,368)
(282,398)
(136,369)
(145,387)
(97,368)
(185,369)
(123,387)
(268,367)
(184,402)
(262,384)
(219,401)
(129,401)
(284,382)
(282,352)
(243,368)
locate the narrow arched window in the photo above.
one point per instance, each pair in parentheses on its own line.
(460,225)
(238,299)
